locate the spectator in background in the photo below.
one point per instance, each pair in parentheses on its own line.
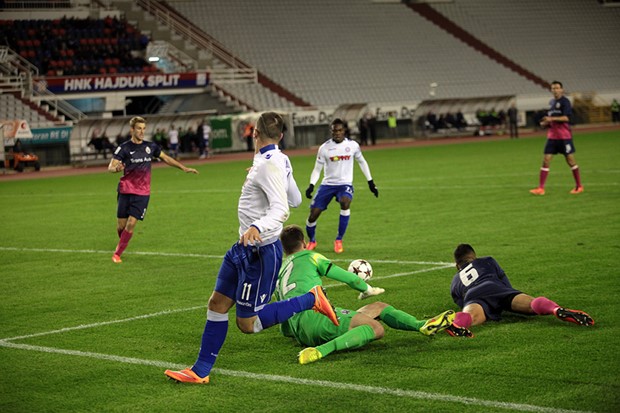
(392,125)
(202,133)
(513,119)
(119,139)
(160,138)
(101,144)
(615,111)
(461,123)
(187,139)
(173,140)
(362,125)
(248,132)
(431,119)
(372,128)
(17,146)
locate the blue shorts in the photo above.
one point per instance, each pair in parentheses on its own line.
(132,205)
(556,146)
(493,296)
(248,275)
(326,193)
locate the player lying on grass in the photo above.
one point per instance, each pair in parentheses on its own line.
(482,289)
(303,268)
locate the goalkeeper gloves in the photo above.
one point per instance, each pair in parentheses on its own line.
(370,292)
(373,188)
(309,191)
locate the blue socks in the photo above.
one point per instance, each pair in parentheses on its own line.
(212,341)
(343,223)
(311,230)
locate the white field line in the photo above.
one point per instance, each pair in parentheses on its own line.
(185,255)
(412,394)
(402,274)
(104,323)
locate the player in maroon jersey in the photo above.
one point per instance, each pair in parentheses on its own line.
(482,289)
(134,158)
(559,138)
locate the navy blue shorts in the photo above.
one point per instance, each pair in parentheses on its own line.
(493,296)
(556,146)
(248,275)
(326,193)
(132,205)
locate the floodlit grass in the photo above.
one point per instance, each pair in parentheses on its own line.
(79,333)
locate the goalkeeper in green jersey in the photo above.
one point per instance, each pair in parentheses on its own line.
(303,269)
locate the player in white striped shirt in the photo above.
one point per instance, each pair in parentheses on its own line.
(249,271)
(335,158)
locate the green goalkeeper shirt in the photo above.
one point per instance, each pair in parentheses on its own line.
(303,270)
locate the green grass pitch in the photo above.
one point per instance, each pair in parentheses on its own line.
(79,333)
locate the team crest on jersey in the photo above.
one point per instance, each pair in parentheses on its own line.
(557,105)
(347,149)
(148,150)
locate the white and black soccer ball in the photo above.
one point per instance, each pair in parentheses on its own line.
(361,268)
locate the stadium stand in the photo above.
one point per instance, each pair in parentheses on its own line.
(68,46)
(352,50)
(324,44)
(572,40)
(320,55)
(12,107)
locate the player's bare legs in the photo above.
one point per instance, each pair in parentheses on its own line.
(476,312)
(522,303)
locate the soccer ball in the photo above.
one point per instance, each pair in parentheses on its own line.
(361,268)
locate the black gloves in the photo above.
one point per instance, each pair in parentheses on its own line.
(373,188)
(309,191)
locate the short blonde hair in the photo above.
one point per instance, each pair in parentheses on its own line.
(136,119)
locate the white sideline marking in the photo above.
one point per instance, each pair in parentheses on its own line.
(402,274)
(104,323)
(187,255)
(412,394)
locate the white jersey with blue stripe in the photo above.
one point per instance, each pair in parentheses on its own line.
(336,159)
(267,192)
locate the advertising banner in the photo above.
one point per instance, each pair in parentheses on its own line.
(113,83)
(221,132)
(15,129)
(51,135)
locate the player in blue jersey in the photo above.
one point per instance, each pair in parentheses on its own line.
(559,139)
(134,158)
(335,157)
(482,289)
(249,271)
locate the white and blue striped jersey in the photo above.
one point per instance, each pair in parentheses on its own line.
(268,191)
(336,160)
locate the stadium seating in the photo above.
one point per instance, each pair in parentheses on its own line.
(362,51)
(352,51)
(573,41)
(68,46)
(13,108)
